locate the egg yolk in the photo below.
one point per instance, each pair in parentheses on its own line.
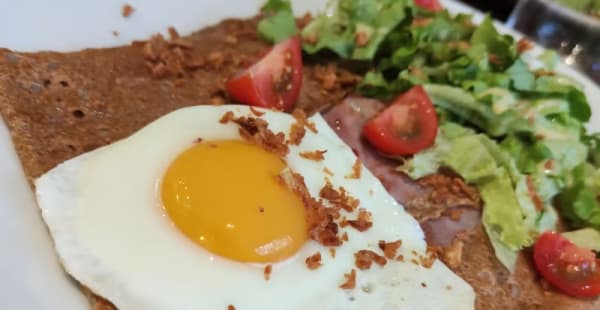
(224,195)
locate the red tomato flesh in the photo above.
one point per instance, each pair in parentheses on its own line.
(571,269)
(274,81)
(408,125)
(432,5)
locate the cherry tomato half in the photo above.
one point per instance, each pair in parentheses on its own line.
(406,126)
(274,81)
(432,5)
(571,269)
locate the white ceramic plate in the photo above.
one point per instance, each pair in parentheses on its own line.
(30,275)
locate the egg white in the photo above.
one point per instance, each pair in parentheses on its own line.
(104,212)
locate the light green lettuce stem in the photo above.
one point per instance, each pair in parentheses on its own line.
(503,217)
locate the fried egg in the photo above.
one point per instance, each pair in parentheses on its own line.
(186,214)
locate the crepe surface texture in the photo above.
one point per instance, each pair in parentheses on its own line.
(60,105)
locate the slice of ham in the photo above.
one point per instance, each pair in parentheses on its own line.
(347,119)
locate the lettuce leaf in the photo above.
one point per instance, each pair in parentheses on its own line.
(503,218)
(356,28)
(430,160)
(591,7)
(588,238)
(593,143)
(502,212)
(478,112)
(376,86)
(562,87)
(279,22)
(579,201)
(501,48)
(549,59)
(509,216)
(521,77)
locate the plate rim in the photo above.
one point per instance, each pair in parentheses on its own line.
(453,6)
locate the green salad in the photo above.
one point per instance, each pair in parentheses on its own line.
(589,7)
(515,133)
